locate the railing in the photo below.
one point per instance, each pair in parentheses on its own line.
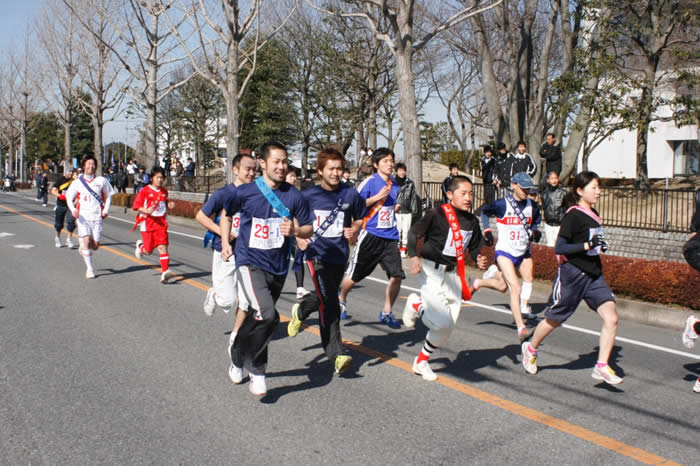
(195,184)
(668,210)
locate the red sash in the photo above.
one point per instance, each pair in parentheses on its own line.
(459,249)
(375,208)
(141,217)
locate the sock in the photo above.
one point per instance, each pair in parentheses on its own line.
(525,292)
(601,364)
(87,257)
(164,262)
(232,338)
(532,350)
(418,307)
(426,352)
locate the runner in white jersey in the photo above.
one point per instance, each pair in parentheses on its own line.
(94,194)
(517,219)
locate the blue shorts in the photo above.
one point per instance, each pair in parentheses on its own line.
(570,286)
(515,260)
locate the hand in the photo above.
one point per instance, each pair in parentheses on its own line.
(597,241)
(536,236)
(287,227)
(488,238)
(397,207)
(104,215)
(149,210)
(481,262)
(75,213)
(350,234)
(171,205)
(302,243)
(232,236)
(415,265)
(226,252)
(383,193)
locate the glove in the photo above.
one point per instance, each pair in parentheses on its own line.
(537,236)
(488,238)
(597,241)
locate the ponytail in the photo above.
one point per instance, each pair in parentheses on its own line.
(580,181)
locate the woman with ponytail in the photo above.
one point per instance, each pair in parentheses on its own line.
(580,276)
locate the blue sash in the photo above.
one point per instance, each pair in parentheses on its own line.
(521,215)
(91,192)
(299,256)
(272,198)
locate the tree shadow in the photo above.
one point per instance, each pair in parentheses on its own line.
(129,269)
(184,276)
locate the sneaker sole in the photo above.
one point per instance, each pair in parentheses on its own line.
(250,387)
(603,379)
(343,367)
(294,325)
(526,355)
(417,372)
(208,313)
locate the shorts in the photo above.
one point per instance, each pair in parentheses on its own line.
(224,282)
(371,250)
(63,216)
(91,228)
(570,286)
(154,238)
(515,260)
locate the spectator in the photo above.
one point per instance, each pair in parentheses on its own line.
(522,161)
(112,177)
(691,250)
(551,153)
(122,180)
(552,197)
(364,167)
(503,169)
(488,174)
(410,208)
(307,182)
(44,187)
(37,183)
(140,180)
(347,182)
(131,170)
(454,171)
(189,169)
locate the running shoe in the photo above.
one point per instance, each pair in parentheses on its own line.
(529,359)
(526,312)
(302,292)
(343,311)
(423,369)
(43,205)
(342,363)
(235,374)
(257,385)
(295,324)
(167,275)
(525,333)
(696,387)
(389,320)
(606,374)
(491,272)
(210,303)
(411,310)
(90,273)
(58,242)
(69,244)
(689,336)
(137,251)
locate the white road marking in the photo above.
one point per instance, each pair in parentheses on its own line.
(4,234)
(23,246)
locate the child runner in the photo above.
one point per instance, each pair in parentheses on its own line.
(378,242)
(689,335)
(59,189)
(334,208)
(580,276)
(223,291)
(95,196)
(447,231)
(291,178)
(517,219)
(267,208)
(152,205)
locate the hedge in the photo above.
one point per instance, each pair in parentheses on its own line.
(185,209)
(662,282)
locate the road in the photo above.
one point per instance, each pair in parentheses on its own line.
(122,369)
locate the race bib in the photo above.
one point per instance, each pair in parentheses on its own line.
(236,224)
(385,217)
(449,249)
(160,210)
(591,233)
(265,233)
(335,230)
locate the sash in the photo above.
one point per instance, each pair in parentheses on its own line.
(459,249)
(561,258)
(272,199)
(210,235)
(299,256)
(375,208)
(140,217)
(521,215)
(61,189)
(91,192)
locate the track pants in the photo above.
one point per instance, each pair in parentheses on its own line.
(441,294)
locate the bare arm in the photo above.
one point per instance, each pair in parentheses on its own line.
(208,223)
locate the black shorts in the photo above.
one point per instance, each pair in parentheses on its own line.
(371,250)
(63,215)
(570,286)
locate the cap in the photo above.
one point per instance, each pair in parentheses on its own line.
(523,180)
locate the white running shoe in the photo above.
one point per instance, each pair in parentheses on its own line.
(167,275)
(411,310)
(491,272)
(606,374)
(210,302)
(302,292)
(689,336)
(529,359)
(137,251)
(69,243)
(257,385)
(696,387)
(235,374)
(90,273)
(423,369)
(43,205)
(58,242)
(526,311)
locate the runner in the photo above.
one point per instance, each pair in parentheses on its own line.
(95,197)
(518,218)
(152,206)
(338,212)
(689,335)
(223,273)
(580,277)
(272,211)
(59,189)
(446,232)
(378,242)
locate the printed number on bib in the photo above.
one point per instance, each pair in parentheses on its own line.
(385,217)
(591,233)
(333,231)
(518,237)
(449,249)
(236,224)
(159,210)
(265,233)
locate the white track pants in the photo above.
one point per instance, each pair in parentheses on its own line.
(441,293)
(224,282)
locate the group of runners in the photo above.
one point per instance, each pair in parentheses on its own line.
(252,224)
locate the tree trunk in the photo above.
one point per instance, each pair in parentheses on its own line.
(409,114)
(151,98)
(66,146)
(98,126)
(490,85)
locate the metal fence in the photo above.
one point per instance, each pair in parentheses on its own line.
(195,184)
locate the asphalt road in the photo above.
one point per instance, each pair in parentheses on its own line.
(122,369)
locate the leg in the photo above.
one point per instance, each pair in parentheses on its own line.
(345,288)
(607,312)
(513,282)
(391,293)
(527,272)
(164,257)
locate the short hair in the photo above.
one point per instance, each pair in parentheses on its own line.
(400,165)
(86,158)
(549,173)
(268,147)
(453,165)
(327,154)
(501,145)
(345,170)
(522,143)
(381,153)
(551,134)
(488,149)
(236,162)
(457,180)
(157,170)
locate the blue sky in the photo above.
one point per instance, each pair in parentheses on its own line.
(15,17)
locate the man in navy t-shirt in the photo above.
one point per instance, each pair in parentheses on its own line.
(262,257)
(378,242)
(338,212)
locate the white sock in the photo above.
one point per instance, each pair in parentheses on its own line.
(525,292)
(87,257)
(232,338)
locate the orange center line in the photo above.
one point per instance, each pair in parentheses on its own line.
(507,405)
